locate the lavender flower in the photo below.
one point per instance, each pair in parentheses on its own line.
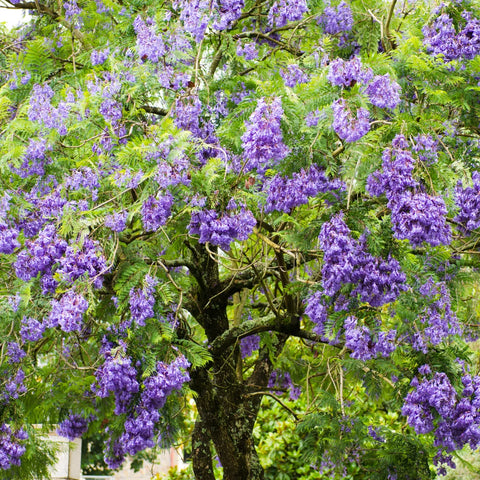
(468,199)
(347,73)
(293,75)
(32,330)
(67,313)
(11,450)
(284,11)
(346,125)
(117,376)
(117,221)
(262,141)
(248,345)
(155,211)
(383,92)
(149,45)
(248,51)
(221,231)
(336,20)
(284,194)
(98,57)
(74,426)
(142,301)
(15,353)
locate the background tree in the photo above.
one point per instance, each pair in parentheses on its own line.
(253,203)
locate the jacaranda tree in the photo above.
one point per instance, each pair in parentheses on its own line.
(244,208)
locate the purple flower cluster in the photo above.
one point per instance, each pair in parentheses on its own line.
(74,426)
(155,211)
(40,256)
(349,127)
(223,230)
(438,318)
(248,50)
(293,75)
(420,218)
(34,159)
(417,217)
(117,221)
(8,239)
(15,353)
(98,57)
(142,301)
(149,45)
(42,111)
(346,74)
(426,148)
(336,20)
(140,428)
(383,92)
(441,38)
(15,386)
(346,261)
(284,194)
(248,345)
(111,110)
(284,11)
(434,405)
(32,330)
(83,260)
(358,338)
(67,313)
(11,450)
(117,376)
(262,141)
(468,200)
(282,380)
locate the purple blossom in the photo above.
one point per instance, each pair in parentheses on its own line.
(294,75)
(347,126)
(74,426)
(282,380)
(15,353)
(223,230)
(142,301)
(312,118)
(284,194)
(347,73)
(98,57)
(111,110)
(15,387)
(83,260)
(420,218)
(67,313)
(11,450)
(383,92)
(149,45)
(140,427)
(397,165)
(42,111)
(155,211)
(32,330)
(248,345)
(468,200)
(284,11)
(117,376)
(336,20)
(117,221)
(346,261)
(262,141)
(8,239)
(40,255)
(426,148)
(248,50)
